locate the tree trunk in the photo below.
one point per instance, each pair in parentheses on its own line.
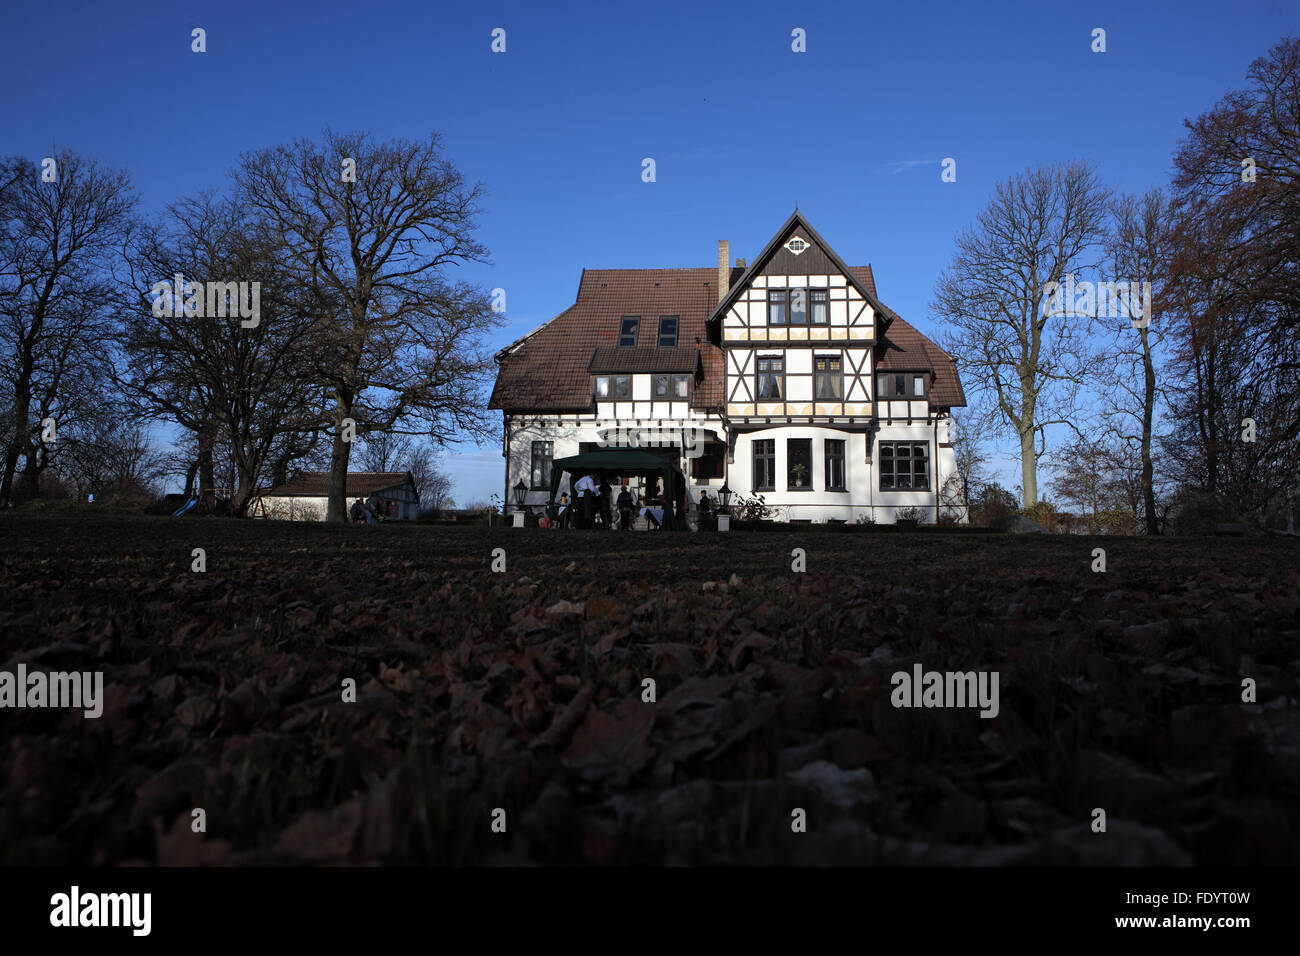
(244,493)
(1028,469)
(207,472)
(338,501)
(22,408)
(1148,410)
(189,479)
(32,474)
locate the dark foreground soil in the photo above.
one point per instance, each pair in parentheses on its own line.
(518,698)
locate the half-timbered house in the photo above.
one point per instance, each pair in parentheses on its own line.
(786,378)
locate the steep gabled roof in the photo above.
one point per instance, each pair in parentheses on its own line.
(795,223)
(550,368)
(316,484)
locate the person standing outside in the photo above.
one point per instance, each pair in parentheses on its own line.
(625,508)
(587,491)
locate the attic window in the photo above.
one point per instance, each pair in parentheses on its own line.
(796,245)
(627,332)
(667,331)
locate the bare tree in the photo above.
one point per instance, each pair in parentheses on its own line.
(968,431)
(217,372)
(373,229)
(56,239)
(384,451)
(107,455)
(1026,357)
(433,482)
(1236,279)
(1140,251)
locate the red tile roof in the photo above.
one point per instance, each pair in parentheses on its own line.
(904,348)
(546,370)
(643,359)
(550,368)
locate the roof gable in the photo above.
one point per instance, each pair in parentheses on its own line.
(776,258)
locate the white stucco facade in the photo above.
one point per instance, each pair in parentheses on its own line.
(824,402)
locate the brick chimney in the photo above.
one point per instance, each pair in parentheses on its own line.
(724,268)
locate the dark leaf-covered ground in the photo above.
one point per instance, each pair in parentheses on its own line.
(523,691)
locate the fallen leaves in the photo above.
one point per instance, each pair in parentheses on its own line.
(525,692)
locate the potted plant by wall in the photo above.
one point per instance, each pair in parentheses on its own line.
(798,472)
(908,517)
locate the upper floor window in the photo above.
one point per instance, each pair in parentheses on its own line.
(798,306)
(771,379)
(627,332)
(805,304)
(901,385)
(615,386)
(828,376)
(672,386)
(776,302)
(817,298)
(667,331)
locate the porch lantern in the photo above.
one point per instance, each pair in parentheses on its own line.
(520,491)
(724,513)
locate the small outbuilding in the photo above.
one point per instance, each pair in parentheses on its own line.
(305,496)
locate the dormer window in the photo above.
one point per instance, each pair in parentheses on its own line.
(667,331)
(672,386)
(901,385)
(627,332)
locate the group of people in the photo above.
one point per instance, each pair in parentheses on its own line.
(376,509)
(594,504)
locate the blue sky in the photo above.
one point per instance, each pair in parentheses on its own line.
(740,127)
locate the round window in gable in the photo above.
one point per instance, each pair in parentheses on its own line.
(796,245)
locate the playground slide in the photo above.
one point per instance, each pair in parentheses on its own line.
(189,505)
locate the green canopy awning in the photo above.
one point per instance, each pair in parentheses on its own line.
(626,461)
